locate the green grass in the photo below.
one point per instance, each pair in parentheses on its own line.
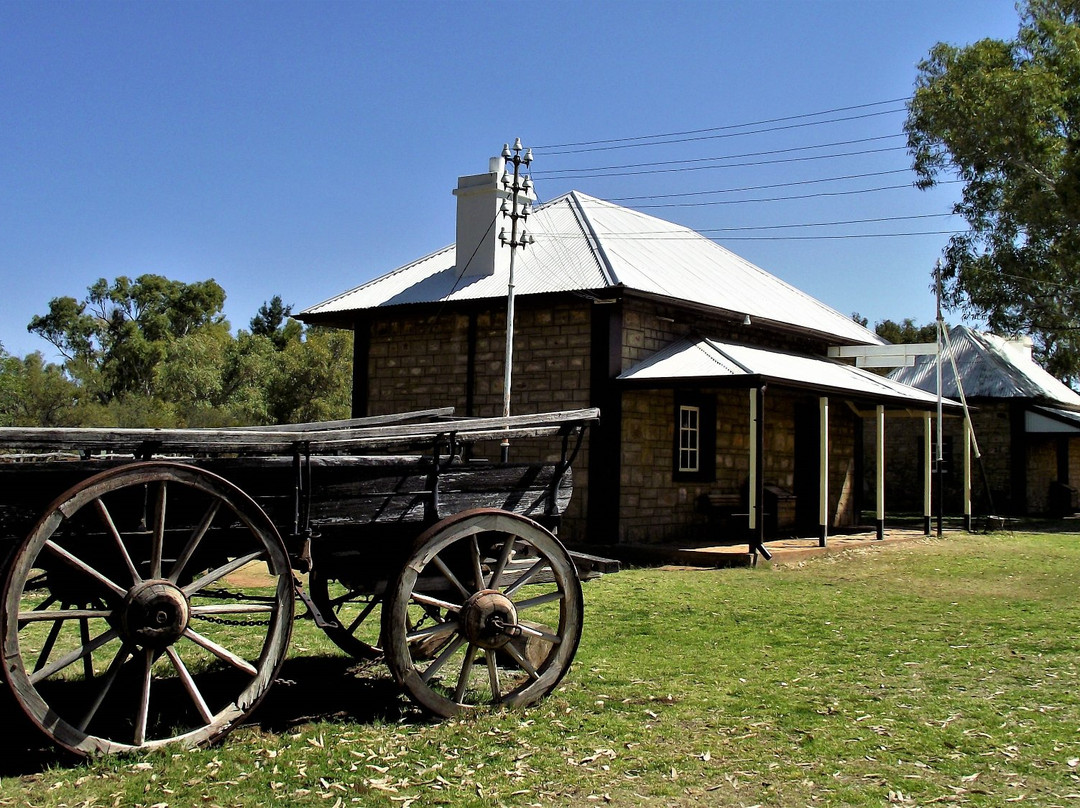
(933,672)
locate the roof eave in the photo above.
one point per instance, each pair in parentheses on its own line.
(754,380)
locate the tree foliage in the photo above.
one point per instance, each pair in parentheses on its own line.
(906,332)
(115,338)
(1004,116)
(158,353)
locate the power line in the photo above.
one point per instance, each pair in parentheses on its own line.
(817,195)
(681,194)
(562,175)
(568,171)
(828,224)
(695,234)
(691,134)
(770,130)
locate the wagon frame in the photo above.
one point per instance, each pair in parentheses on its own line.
(135,581)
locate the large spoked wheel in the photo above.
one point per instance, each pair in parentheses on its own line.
(487,610)
(355,612)
(151,604)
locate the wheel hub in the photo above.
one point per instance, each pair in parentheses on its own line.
(489,619)
(155,614)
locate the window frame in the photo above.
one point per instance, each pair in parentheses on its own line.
(705,408)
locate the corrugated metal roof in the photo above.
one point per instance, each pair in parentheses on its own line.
(989,367)
(586,244)
(700,358)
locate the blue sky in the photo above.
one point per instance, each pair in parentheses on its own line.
(302,148)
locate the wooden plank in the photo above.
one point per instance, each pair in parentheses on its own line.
(355,423)
(381,437)
(347,491)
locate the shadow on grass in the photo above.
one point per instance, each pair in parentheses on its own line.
(308,690)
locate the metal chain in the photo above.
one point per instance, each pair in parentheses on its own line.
(227,594)
(225,622)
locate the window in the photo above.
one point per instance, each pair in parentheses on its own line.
(694,445)
(689,438)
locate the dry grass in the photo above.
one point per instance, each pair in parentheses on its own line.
(935,672)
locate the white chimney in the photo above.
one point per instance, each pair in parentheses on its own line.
(479,200)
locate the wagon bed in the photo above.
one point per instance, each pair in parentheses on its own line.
(123,623)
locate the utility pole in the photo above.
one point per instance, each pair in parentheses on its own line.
(940,479)
(517,212)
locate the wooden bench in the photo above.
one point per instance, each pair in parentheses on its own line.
(721,507)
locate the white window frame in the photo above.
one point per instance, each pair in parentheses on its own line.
(689,427)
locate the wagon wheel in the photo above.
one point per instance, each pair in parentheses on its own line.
(355,612)
(150,604)
(486,610)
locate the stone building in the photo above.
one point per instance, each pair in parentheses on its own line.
(721,415)
(1026,424)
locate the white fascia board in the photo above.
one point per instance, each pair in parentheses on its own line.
(884,356)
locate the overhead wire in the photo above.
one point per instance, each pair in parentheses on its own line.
(716,132)
(786,155)
(829,145)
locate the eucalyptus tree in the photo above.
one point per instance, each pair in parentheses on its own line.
(1004,118)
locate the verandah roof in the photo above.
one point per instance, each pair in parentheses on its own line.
(700,360)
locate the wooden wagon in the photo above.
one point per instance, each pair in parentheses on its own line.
(150,577)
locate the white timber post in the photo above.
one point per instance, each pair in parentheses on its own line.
(880,471)
(928,472)
(823,473)
(757,452)
(968,437)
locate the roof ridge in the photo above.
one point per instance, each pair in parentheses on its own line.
(596,246)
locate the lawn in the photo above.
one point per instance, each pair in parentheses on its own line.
(925,673)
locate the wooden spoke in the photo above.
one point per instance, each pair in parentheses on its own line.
(110,526)
(222,571)
(442,658)
(107,682)
(142,715)
(493,678)
(474,553)
(449,575)
(463,677)
(505,555)
(431,631)
(46,649)
(83,607)
(61,615)
(189,685)
(345,611)
(350,595)
(524,579)
(221,652)
(540,634)
(84,638)
(85,568)
(427,600)
(158,543)
(520,659)
(193,542)
(539,600)
(536,655)
(364,613)
(74,656)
